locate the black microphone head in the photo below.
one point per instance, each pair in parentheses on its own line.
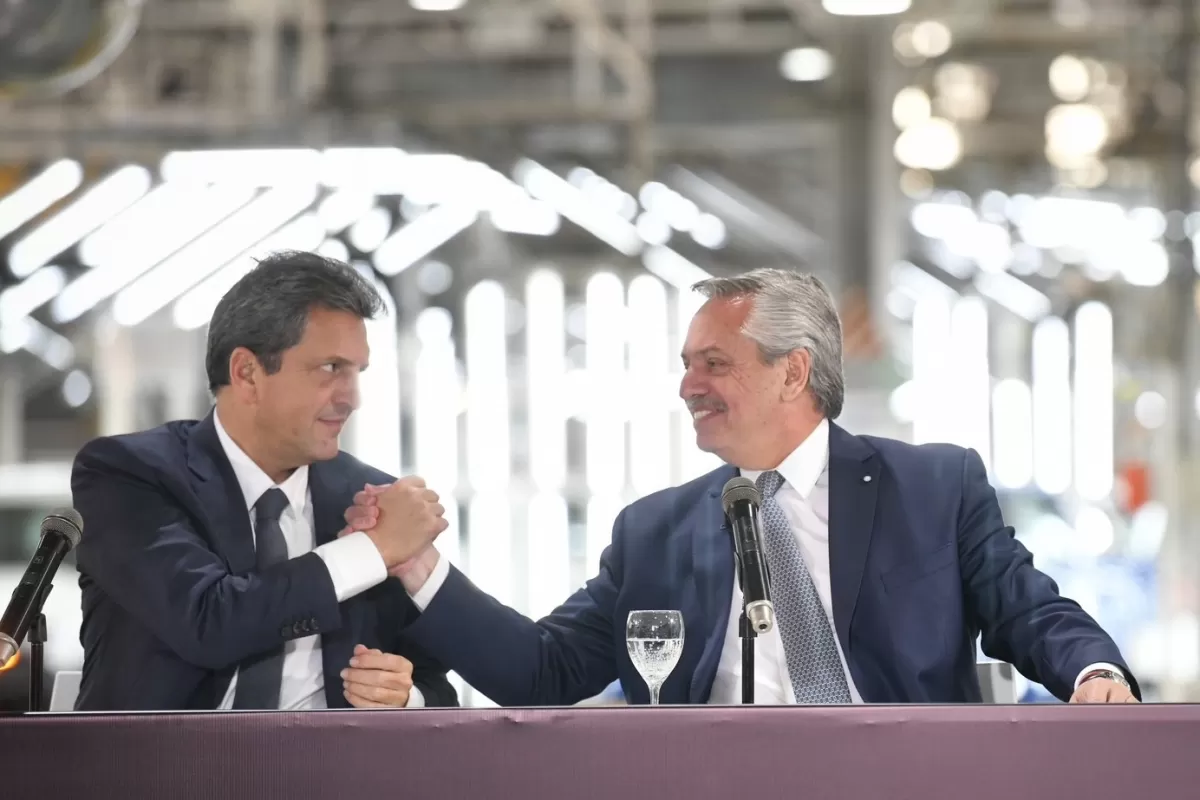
(66,521)
(738,489)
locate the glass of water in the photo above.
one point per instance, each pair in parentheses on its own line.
(655,642)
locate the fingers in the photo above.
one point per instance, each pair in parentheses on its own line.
(367,700)
(380,663)
(376,679)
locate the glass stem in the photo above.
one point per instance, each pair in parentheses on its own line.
(654,694)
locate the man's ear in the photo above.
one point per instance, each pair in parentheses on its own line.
(245,372)
(799,366)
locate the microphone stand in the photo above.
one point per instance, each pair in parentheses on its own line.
(37,655)
(748,635)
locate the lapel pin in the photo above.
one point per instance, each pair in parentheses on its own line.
(866,478)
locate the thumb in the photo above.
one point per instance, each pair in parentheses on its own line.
(359,649)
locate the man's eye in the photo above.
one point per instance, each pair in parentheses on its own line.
(330,368)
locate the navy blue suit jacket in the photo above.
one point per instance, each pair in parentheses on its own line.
(921,564)
(172,599)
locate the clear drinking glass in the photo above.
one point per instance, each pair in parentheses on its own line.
(655,642)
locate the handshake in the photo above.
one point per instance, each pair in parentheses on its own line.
(402,520)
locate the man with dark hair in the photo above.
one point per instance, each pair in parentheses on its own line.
(213,573)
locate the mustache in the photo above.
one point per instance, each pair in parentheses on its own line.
(705,404)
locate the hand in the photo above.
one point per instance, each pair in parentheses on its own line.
(377,680)
(364,515)
(408,517)
(1102,690)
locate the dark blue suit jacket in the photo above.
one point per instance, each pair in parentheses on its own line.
(921,564)
(172,600)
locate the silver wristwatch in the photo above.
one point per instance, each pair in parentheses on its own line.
(1108,675)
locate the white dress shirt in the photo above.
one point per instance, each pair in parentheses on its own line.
(353,562)
(804,500)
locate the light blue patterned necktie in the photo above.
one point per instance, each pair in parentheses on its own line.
(808,641)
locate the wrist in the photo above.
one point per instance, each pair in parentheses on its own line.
(1105,674)
(415,572)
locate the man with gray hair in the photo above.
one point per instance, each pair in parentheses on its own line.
(887,560)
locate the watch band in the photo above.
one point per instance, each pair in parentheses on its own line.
(1108,675)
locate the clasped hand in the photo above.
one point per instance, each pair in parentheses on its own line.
(402,520)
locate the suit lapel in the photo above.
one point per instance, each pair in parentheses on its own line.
(220,497)
(853,489)
(712,566)
(330,498)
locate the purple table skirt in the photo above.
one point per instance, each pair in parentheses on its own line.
(730,753)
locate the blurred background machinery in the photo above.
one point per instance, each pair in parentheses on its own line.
(1000,193)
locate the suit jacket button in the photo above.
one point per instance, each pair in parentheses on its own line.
(285,632)
(297,628)
(316,626)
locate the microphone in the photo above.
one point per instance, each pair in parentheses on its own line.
(61,530)
(740,498)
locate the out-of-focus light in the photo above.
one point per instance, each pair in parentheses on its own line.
(1069,79)
(911,106)
(546,375)
(371,229)
(39,193)
(76,388)
(916,184)
(709,231)
(436,5)
(606,324)
(488,443)
(96,206)
(1145,263)
(1149,222)
(1051,372)
(1095,530)
(931,38)
(940,221)
(1094,389)
(1074,133)
(1012,424)
(342,208)
(1150,409)
(992,206)
(902,402)
(434,277)
(866,8)
(806,64)
(653,229)
(335,249)
(934,145)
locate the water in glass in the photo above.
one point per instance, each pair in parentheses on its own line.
(655,642)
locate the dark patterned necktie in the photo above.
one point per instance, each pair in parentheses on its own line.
(260,676)
(808,641)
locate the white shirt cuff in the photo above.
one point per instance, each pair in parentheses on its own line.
(1094,667)
(415,698)
(437,577)
(354,564)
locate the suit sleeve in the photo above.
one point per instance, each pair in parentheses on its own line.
(565,657)
(395,612)
(1023,618)
(142,550)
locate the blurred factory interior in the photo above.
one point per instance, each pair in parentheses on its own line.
(1000,193)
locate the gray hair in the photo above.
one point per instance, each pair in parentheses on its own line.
(792,311)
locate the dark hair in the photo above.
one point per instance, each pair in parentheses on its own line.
(267,311)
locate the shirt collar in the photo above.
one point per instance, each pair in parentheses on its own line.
(806,465)
(253,482)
